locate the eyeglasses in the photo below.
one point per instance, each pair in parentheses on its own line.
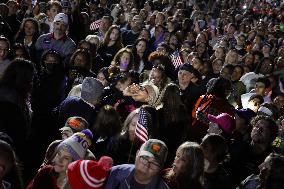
(144,160)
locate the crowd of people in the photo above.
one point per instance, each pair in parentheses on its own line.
(142,94)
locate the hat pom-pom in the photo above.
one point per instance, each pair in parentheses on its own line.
(88,133)
(106,162)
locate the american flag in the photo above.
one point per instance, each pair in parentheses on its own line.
(95,25)
(141,131)
(176,60)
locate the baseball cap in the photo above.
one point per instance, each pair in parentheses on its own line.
(156,149)
(246,114)
(66,4)
(75,124)
(61,17)
(187,67)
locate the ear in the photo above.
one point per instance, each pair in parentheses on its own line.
(220,131)
(136,157)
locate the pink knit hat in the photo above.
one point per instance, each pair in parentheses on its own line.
(224,121)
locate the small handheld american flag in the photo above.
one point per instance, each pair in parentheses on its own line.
(95,25)
(176,60)
(141,131)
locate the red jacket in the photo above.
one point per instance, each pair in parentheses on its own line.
(44,179)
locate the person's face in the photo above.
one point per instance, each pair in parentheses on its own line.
(145,34)
(265,49)
(200,39)
(52,12)
(266,67)
(251,35)
(257,40)
(232,57)
(173,40)
(201,48)
(179,165)
(4,49)
(103,2)
(249,59)
(143,13)
(259,88)
(156,76)
(225,73)
(254,104)
(209,155)
(223,43)
(124,61)
(231,30)
(279,62)
(132,127)
(146,167)
(237,74)
(246,69)
(19,53)
(141,47)
(13,7)
(147,7)
(161,49)
(190,36)
(219,53)
(51,63)
(197,64)
(105,24)
(184,77)
(279,102)
(66,133)
(184,56)
(122,85)
(217,66)
(85,46)
(29,28)
(62,160)
(114,35)
(136,23)
(102,78)
(214,128)
(80,60)
(159,19)
(260,132)
(60,27)
(51,60)
(241,41)
(141,95)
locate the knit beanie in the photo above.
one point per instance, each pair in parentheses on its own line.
(92,89)
(77,144)
(89,174)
